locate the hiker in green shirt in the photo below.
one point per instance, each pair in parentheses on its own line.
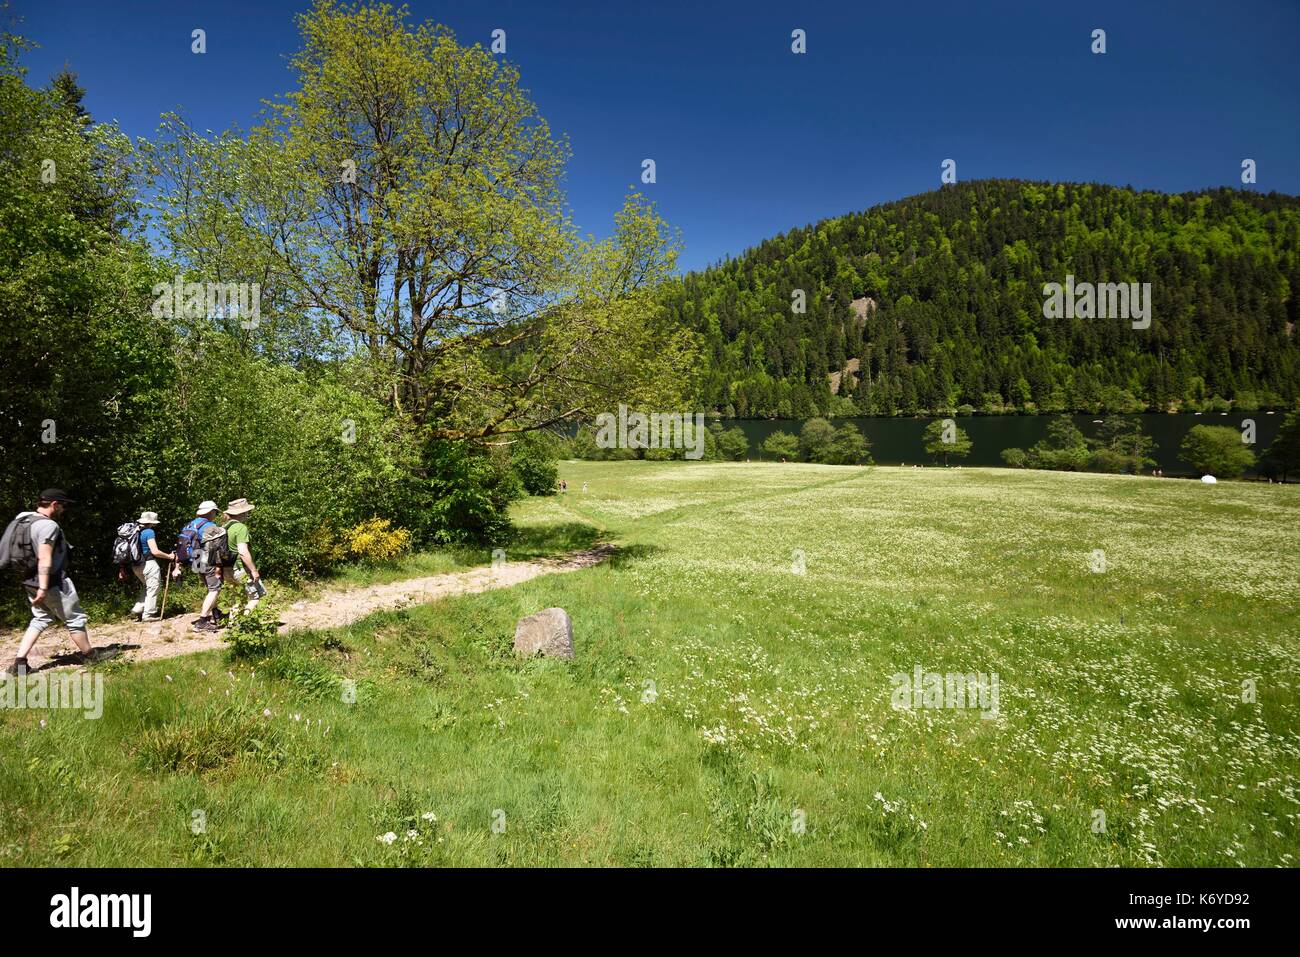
(244,568)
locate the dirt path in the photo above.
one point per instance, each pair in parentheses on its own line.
(167,639)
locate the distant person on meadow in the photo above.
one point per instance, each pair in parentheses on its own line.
(149,570)
(35,543)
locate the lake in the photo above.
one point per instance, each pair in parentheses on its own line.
(897,440)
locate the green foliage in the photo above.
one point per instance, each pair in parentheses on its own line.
(466,497)
(847,446)
(733,445)
(80,357)
(1121,447)
(449,263)
(933,440)
(1015,458)
(814,438)
(1216,450)
(782,445)
(533,456)
(252,635)
(1283,456)
(1064,448)
(939,298)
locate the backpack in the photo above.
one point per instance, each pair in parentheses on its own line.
(214,550)
(16,549)
(189,541)
(126,547)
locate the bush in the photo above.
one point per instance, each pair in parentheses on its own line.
(533,457)
(847,446)
(253,634)
(813,438)
(733,445)
(375,540)
(1015,458)
(781,445)
(1216,450)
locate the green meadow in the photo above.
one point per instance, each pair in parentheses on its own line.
(732,698)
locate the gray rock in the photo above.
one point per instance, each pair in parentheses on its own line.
(549,632)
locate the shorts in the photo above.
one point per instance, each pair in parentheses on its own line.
(61,603)
(212,579)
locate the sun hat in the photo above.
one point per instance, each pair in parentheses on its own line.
(240,506)
(147,518)
(207,506)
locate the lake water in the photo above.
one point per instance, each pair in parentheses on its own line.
(897,441)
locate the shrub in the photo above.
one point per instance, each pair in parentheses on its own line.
(733,445)
(375,540)
(1216,450)
(253,634)
(781,445)
(533,457)
(847,446)
(1014,458)
(813,438)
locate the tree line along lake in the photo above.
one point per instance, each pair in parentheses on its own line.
(897,440)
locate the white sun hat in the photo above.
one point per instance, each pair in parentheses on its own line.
(207,506)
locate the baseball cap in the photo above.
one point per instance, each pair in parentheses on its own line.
(57,495)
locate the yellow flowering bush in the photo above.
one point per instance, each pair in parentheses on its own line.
(375,540)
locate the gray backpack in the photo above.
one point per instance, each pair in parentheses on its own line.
(214,550)
(16,549)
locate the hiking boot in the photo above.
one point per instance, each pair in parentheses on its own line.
(151,618)
(18,668)
(204,625)
(219,616)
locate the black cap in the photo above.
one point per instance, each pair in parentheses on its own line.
(57,495)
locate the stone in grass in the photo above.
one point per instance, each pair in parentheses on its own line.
(549,632)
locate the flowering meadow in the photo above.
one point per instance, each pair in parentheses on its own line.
(730,699)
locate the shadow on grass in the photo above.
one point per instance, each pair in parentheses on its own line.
(545,541)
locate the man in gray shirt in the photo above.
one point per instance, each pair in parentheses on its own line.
(52,595)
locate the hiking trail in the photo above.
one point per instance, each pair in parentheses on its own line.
(149,641)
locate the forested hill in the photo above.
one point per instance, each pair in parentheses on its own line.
(936,302)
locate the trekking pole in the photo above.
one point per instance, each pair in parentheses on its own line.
(168,584)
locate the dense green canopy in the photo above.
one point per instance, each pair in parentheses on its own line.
(936,301)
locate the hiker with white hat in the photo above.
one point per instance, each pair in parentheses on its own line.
(202,547)
(243,569)
(149,569)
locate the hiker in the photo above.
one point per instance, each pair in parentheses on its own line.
(242,568)
(192,551)
(35,543)
(149,569)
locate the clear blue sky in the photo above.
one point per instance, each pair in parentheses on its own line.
(751,139)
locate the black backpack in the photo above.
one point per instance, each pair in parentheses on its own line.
(126,547)
(16,549)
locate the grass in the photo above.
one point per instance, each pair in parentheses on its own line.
(724,709)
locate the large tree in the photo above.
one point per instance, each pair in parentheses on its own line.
(403,205)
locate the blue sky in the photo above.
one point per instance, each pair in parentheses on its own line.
(751,139)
